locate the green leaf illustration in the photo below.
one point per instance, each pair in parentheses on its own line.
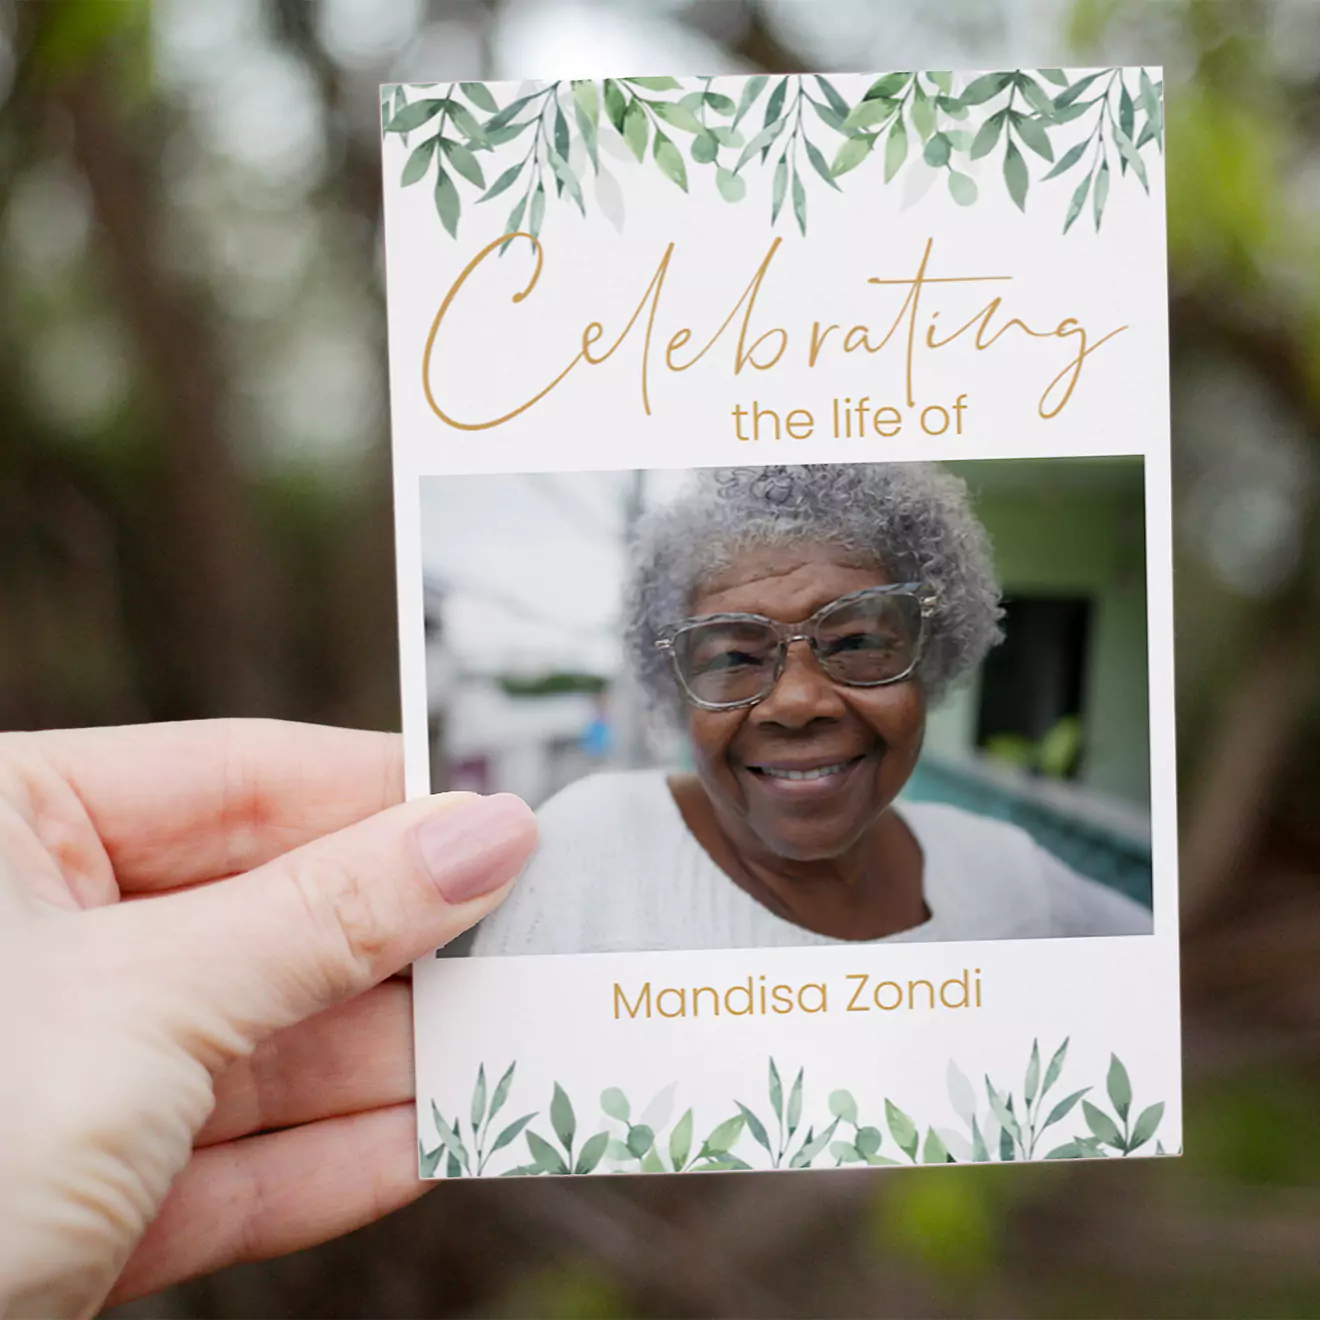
(1145,1126)
(536,212)
(467,125)
(923,112)
(652,1163)
(987,135)
(1033,1073)
(934,1151)
(1078,201)
(562,1118)
(464,162)
(1015,175)
(636,129)
(1152,105)
(479,95)
(1067,160)
(983,88)
(616,104)
(776,1092)
(670,160)
(733,187)
(680,1141)
(812,1146)
(867,1141)
(895,149)
(511,1132)
(567,179)
(756,1128)
(502,184)
(414,115)
(962,188)
(775,105)
(942,78)
(1056,76)
(820,165)
(1063,1108)
(866,114)
(656,84)
(587,96)
(980,1152)
(888,86)
(545,1157)
(587,132)
(1066,97)
(1055,1068)
(827,115)
(1036,96)
(1033,133)
(449,1137)
(1130,154)
(1003,1111)
(615,1103)
(800,202)
(508,114)
(1070,1150)
(479,1098)
(831,93)
(640,1139)
(842,1105)
(852,153)
(678,116)
(705,147)
(593,1150)
(1102,1125)
(902,1129)
(427,1164)
(1119,1087)
(794,1114)
(752,88)
(419,161)
(762,140)
(723,1138)
(447,201)
(938,150)
(721,104)
(1127,111)
(845,1152)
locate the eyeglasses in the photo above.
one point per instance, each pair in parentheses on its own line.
(865,639)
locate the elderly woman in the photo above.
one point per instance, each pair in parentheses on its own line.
(797,621)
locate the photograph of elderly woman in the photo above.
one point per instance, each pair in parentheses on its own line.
(772,706)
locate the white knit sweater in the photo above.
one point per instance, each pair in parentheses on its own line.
(617,869)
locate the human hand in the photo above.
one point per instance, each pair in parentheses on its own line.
(201,1058)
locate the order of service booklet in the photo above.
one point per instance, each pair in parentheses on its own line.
(783,509)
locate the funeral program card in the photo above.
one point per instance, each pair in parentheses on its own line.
(782,493)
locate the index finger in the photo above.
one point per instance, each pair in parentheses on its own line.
(177,803)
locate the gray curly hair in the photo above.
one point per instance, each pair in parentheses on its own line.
(913,519)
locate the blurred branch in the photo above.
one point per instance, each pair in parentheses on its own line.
(219,586)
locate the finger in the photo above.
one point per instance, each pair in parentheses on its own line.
(232,962)
(267,1195)
(175,803)
(351,1058)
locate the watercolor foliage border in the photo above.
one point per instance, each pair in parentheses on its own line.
(799,126)
(1012,1128)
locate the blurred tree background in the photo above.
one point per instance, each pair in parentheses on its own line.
(194,520)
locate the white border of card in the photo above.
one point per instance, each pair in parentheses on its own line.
(611,274)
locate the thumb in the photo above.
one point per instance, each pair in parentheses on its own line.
(247,956)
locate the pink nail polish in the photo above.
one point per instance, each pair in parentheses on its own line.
(476,845)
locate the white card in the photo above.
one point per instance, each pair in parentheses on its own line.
(782,497)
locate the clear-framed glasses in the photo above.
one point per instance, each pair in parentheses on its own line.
(865,639)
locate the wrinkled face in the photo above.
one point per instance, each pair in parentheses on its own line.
(856,746)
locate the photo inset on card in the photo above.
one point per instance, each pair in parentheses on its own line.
(800,705)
